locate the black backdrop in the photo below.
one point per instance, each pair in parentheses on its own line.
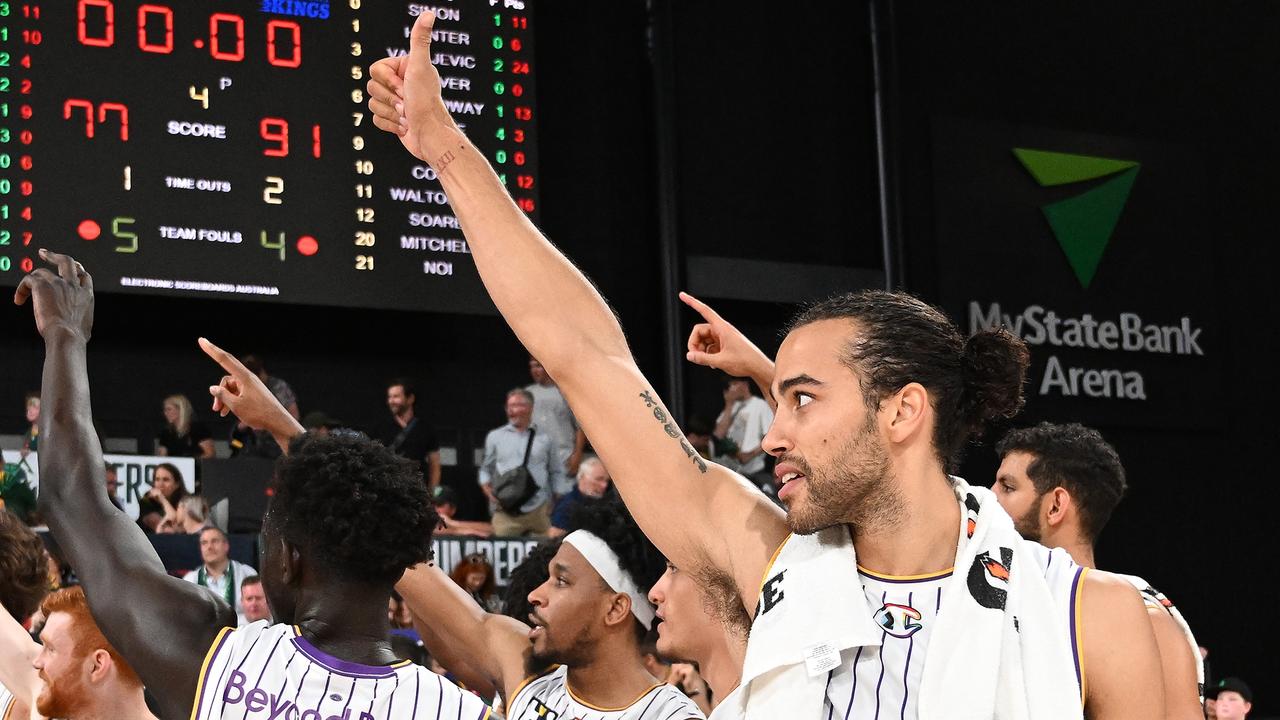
(760,176)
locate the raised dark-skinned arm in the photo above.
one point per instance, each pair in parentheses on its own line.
(131,596)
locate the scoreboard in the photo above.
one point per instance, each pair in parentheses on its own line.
(225,149)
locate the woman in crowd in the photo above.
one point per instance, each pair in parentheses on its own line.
(188,518)
(166,490)
(183,435)
(475,575)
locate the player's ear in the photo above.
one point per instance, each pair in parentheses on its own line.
(291,563)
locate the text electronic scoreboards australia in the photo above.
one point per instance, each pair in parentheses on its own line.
(227,150)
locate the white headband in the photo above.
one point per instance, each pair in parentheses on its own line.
(605,562)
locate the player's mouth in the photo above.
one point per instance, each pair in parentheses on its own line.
(539,628)
(790,479)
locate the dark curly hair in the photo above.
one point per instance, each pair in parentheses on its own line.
(24,575)
(611,521)
(356,508)
(1077,458)
(529,574)
(901,339)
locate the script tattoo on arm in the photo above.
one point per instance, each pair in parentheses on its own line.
(672,431)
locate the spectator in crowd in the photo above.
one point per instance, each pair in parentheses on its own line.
(1232,699)
(244,440)
(318,422)
(183,435)
(505,450)
(698,433)
(218,572)
(398,614)
(475,575)
(191,516)
(688,677)
(24,575)
(254,600)
(657,665)
(741,426)
(73,673)
(552,416)
(278,387)
(31,439)
(593,482)
(112,476)
(446,503)
(167,489)
(407,434)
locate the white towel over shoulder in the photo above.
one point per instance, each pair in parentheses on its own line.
(999,650)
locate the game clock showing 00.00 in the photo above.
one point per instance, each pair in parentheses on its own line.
(228,151)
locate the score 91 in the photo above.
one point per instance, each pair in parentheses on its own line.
(276,132)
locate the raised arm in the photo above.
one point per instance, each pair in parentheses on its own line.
(109,552)
(495,646)
(17,650)
(697,513)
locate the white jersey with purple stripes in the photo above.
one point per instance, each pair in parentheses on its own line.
(6,702)
(549,697)
(884,682)
(271,672)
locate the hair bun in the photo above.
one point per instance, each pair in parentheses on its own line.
(995,366)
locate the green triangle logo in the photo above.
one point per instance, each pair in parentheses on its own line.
(1082,224)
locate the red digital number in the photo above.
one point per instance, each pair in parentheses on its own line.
(518,157)
(516,45)
(525,182)
(526,204)
(26,112)
(82,26)
(25,187)
(26,215)
(25,87)
(215,39)
(27,265)
(273,54)
(517,90)
(315,140)
(25,137)
(519,23)
(25,162)
(143,12)
(275,130)
(523,113)
(26,61)
(519,68)
(518,135)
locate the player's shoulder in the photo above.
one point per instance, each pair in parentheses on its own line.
(669,702)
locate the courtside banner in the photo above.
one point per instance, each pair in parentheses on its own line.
(1098,252)
(504,554)
(133,473)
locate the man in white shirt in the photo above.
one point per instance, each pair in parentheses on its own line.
(744,421)
(219,573)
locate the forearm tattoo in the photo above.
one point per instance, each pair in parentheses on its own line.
(444,160)
(672,431)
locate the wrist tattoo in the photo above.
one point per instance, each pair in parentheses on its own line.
(447,159)
(672,431)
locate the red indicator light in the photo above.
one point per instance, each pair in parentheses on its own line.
(89,230)
(308,246)
(199,43)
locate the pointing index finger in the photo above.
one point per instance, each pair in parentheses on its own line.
(702,308)
(223,358)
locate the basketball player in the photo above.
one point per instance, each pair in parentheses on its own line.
(877,393)
(73,673)
(24,580)
(1060,484)
(346,519)
(691,628)
(588,618)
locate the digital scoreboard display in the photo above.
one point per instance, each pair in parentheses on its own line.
(226,149)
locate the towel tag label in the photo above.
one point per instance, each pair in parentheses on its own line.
(821,658)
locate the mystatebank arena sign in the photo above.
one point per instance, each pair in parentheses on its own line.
(1128,333)
(1092,250)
